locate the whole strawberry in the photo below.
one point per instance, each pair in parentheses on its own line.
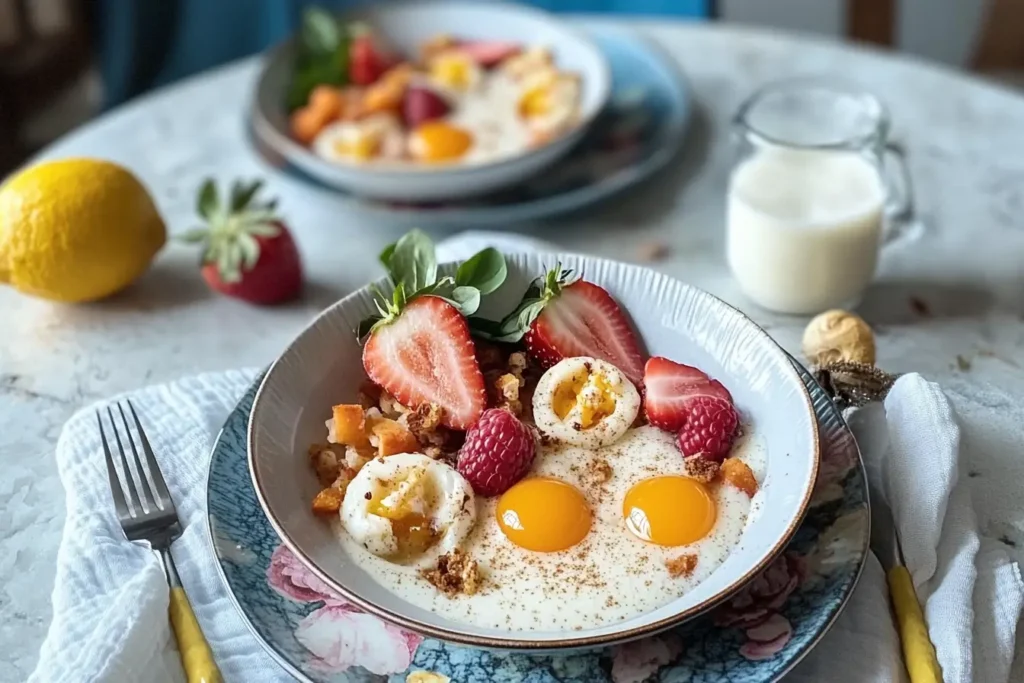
(248,252)
(498,451)
(709,427)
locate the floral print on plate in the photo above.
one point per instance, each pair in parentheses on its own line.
(756,637)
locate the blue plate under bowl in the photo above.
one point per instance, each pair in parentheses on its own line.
(638,134)
(756,637)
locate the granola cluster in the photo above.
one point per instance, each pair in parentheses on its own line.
(455,573)
(510,378)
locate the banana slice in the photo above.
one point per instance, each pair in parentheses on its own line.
(585,402)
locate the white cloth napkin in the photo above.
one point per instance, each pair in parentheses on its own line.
(110,599)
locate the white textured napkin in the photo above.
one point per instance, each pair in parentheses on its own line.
(110,600)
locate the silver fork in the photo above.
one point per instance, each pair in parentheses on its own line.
(148,514)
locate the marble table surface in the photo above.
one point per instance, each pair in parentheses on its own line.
(949,305)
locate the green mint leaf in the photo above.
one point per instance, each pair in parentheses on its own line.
(321,33)
(485,270)
(194,236)
(466,299)
(242,194)
(413,261)
(385,259)
(208,201)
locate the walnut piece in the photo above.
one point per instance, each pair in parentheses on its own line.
(323,458)
(454,573)
(425,424)
(682,566)
(838,336)
(701,469)
(426,677)
(507,387)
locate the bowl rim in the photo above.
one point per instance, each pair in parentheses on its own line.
(569,641)
(454,171)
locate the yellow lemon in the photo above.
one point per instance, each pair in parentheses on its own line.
(76,230)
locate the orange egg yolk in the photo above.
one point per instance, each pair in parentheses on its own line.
(439,141)
(544,514)
(669,511)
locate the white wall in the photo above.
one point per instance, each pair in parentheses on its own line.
(943,30)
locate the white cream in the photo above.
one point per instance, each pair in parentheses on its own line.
(608,577)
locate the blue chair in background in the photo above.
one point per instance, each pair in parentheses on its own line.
(146,44)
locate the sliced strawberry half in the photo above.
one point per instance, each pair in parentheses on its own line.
(670,387)
(488,53)
(580,318)
(425,355)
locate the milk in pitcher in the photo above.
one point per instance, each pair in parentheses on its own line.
(804,227)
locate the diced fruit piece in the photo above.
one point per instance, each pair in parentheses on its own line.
(426,355)
(306,123)
(392,437)
(498,451)
(421,105)
(582,319)
(388,93)
(709,426)
(248,252)
(738,474)
(669,387)
(366,62)
(328,501)
(327,100)
(488,53)
(350,425)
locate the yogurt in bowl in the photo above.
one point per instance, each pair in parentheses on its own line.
(569,539)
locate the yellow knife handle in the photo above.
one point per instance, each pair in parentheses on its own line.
(196,656)
(918,651)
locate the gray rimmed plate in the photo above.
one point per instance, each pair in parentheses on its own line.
(407,25)
(323,367)
(760,634)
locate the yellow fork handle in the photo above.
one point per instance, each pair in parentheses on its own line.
(918,651)
(196,656)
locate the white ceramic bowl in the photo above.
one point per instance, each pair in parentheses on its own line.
(407,25)
(323,366)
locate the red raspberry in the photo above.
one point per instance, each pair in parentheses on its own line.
(709,427)
(497,453)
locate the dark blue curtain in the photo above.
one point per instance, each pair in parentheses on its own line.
(148,43)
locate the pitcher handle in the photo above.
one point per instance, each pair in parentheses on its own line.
(900,207)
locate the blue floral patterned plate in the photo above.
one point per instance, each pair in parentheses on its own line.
(639,133)
(756,637)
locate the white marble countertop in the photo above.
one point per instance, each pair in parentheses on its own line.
(966,152)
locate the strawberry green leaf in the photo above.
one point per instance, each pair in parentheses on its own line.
(194,236)
(367,324)
(242,194)
(485,270)
(250,250)
(262,228)
(208,202)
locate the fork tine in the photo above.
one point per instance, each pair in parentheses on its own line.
(154,466)
(133,495)
(120,506)
(152,502)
